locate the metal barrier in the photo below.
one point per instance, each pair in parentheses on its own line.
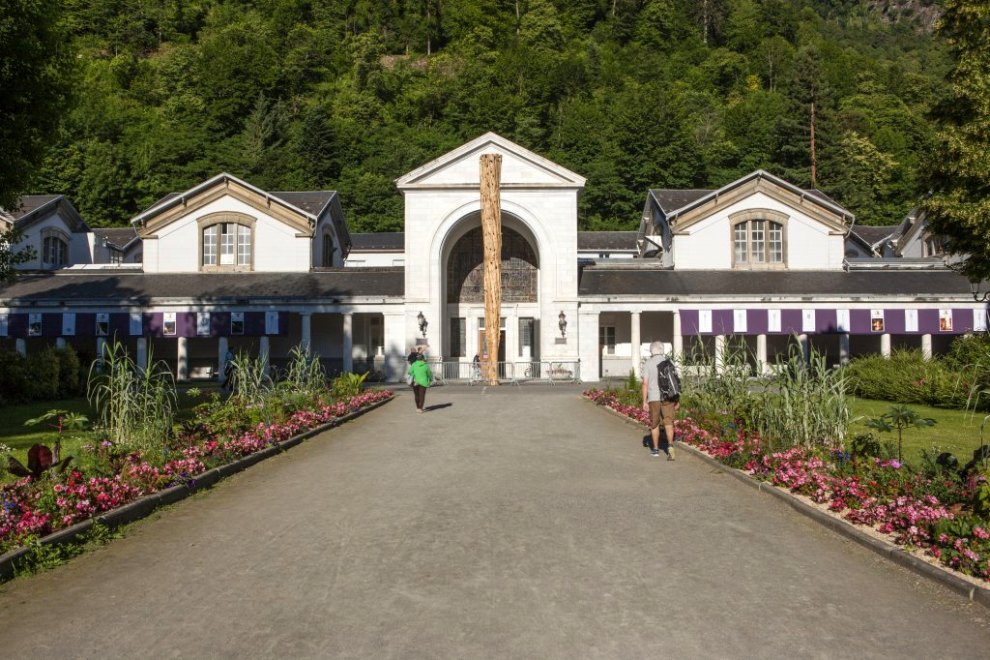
(516,373)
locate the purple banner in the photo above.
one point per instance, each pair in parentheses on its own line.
(950,321)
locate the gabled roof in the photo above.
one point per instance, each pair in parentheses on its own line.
(33,208)
(677,203)
(607,240)
(118,238)
(379,240)
(488,143)
(305,207)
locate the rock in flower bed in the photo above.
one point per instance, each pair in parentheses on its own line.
(31,508)
(930,510)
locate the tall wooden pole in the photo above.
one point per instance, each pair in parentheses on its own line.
(491,231)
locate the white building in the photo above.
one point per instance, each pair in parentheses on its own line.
(228,265)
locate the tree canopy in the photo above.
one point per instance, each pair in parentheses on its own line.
(959,174)
(632,94)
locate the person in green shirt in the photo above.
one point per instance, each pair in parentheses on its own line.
(422,378)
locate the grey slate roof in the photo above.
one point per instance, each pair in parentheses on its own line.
(29,203)
(611,281)
(118,237)
(379,240)
(673,199)
(311,202)
(607,240)
(324,285)
(874,234)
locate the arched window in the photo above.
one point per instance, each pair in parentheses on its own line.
(328,250)
(465,269)
(54,251)
(227,242)
(758,240)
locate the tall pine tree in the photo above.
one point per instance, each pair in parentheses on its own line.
(959,174)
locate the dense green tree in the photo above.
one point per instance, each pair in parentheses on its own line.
(959,172)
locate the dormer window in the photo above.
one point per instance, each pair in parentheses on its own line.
(758,239)
(227,242)
(54,249)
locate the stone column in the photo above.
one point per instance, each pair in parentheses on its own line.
(805,347)
(60,342)
(348,336)
(719,353)
(141,359)
(588,349)
(885,345)
(844,348)
(678,337)
(396,345)
(926,346)
(20,345)
(264,348)
(182,358)
(634,341)
(222,345)
(306,339)
(761,355)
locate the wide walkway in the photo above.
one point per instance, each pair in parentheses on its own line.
(507,523)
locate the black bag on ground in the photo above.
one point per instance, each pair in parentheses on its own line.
(668,381)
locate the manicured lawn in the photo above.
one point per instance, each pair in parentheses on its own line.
(15,435)
(956,431)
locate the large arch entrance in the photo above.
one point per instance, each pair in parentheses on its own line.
(464,296)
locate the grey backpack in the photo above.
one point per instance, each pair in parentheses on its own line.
(668,381)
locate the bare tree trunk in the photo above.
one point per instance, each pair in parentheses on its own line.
(491,230)
(704,21)
(814,160)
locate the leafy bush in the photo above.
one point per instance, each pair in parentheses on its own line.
(70,382)
(347,384)
(906,377)
(12,377)
(43,370)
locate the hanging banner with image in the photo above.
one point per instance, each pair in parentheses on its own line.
(168,325)
(773,320)
(705,320)
(137,324)
(807,320)
(68,325)
(4,325)
(739,321)
(945,320)
(876,320)
(979,320)
(271,323)
(910,320)
(102,325)
(237,323)
(34,325)
(842,320)
(203,324)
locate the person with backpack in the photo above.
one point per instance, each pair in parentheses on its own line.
(661,396)
(422,378)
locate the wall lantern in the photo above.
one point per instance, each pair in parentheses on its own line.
(563,324)
(980,290)
(423,323)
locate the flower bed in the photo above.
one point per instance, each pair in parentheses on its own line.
(32,508)
(914,509)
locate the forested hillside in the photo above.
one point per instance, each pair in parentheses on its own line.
(632,94)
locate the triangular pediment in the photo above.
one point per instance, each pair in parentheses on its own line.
(176,207)
(808,203)
(521,168)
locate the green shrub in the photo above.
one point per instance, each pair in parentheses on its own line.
(69,382)
(347,385)
(13,377)
(906,377)
(43,374)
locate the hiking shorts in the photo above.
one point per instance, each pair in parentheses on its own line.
(661,412)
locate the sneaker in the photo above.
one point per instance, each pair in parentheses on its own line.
(670,453)
(655,453)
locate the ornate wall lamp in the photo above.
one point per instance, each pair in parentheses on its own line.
(562,324)
(423,323)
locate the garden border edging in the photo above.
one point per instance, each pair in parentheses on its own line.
(147,504)
(891,551)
